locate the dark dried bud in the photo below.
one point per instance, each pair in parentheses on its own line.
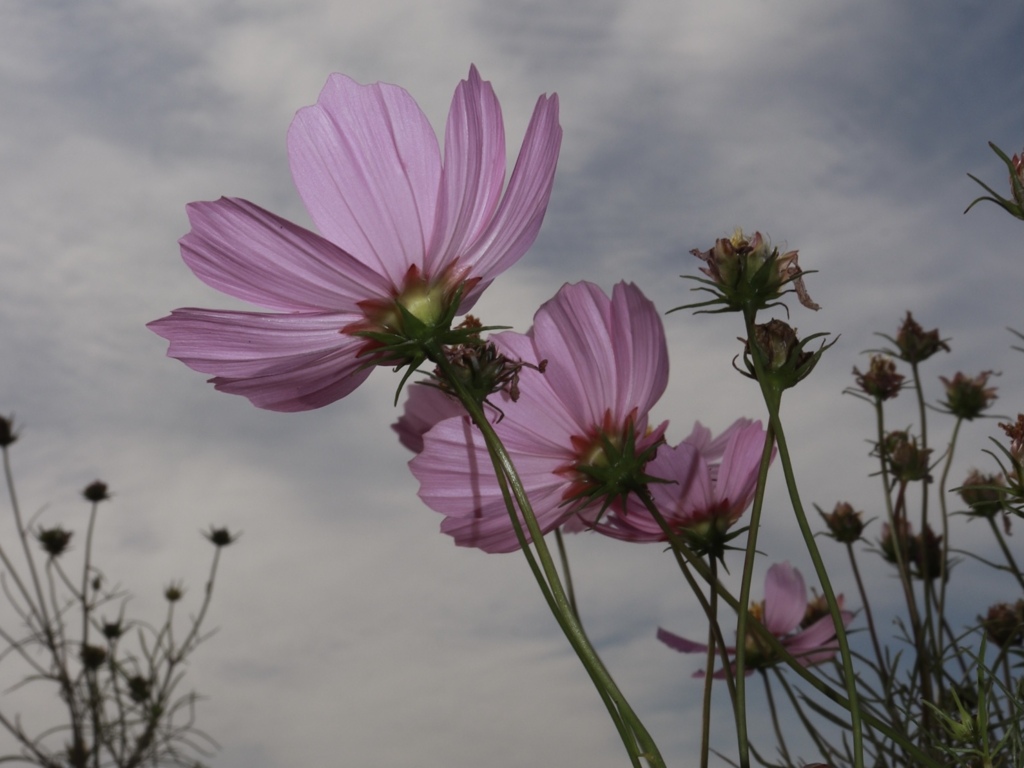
(1004,624)
(881,382)
(174,592)
(983,494)
(96,492)
(898,546)
(966,398)
(907,460)
(93,656)
(139,688)
(928,555)
(8,435)
(915,344)
(112,630)
(54,540)
(220,537)
(845,524)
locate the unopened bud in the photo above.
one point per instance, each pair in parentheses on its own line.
(845,524)
(96,492)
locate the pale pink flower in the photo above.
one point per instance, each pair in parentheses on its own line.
(607,364)
(709,482)
(805,631)
(401,234)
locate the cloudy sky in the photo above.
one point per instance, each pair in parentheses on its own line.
(351,632)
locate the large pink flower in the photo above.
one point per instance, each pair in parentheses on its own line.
(402,235)
(805,628)
(607,364)
(709,482)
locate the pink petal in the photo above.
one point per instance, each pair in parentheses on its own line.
(368,167)
(817,643)
(737,475)
(280,362)
(457,479)
(425,406)
(251,254)
(473,174)
(785,599)
(517,221)
(680,644)
(609,355)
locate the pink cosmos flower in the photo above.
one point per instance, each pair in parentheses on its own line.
(710,482)
(805,629)
(607,364)
(406,241)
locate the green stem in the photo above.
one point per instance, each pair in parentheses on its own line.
(773,400)
(636,738)
(747,578)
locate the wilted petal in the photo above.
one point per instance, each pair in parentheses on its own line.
(367,165)
(280,362)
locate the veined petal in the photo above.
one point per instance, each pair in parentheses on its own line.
(473,173)
(737,475)
(517,221)
(280,362)
(593,352)
(457,479)
(785,599)
(249,253)
(366,162)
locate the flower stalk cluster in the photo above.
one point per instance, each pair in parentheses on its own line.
(121,701)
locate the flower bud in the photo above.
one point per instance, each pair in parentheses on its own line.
(928,555)
(1004,624)
(915,344)
(966,398)
(907,460)
(983,494)
(1015,204)
(7,432)
(881,382)
(174,592)
(1015,432)
(220,537)
(139,688)
(93,656)
(54,540)
(845,525)
(899,545)
(783,354)
(96,492)
(749,274)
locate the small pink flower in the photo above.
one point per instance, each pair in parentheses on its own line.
(710,482)
(783,613)
(406,241)
(607,364)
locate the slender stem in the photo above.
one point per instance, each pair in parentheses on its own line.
(745,584)
(1006,552)
(640,743)
(779,737)
(773,399)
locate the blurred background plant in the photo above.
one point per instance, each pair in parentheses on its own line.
(117,678)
